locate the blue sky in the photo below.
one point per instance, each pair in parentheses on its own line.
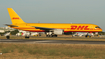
(55,11)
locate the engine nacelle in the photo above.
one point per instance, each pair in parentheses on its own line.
(58,31)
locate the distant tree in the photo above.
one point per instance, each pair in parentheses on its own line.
(4,33)
(14,32)
(1,34)
(7,31)
(101,33)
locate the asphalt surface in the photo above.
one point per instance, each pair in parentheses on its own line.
(31,41)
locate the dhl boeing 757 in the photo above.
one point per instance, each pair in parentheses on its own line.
(51,29)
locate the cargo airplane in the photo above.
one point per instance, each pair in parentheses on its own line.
(50,29)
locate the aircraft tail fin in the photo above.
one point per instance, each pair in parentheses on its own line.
(14,16)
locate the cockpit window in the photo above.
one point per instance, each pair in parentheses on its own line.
(97,27)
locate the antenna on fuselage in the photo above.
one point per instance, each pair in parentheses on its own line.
(38,21)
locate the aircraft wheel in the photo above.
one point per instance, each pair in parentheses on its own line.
(87,36)
(54,35)
(27,37)
(8,37)
(46,35)
(51,35)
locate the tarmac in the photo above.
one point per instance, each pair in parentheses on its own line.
(32,41)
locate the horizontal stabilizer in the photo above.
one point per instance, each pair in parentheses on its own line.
(11,25)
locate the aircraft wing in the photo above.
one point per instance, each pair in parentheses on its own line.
(43,28)
(11,25)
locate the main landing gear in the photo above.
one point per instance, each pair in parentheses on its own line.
(50,34)
(27,37)
(8,37)
(89,34)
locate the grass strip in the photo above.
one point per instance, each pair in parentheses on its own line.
(55,50)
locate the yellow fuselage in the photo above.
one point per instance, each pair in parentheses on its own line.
(65,27)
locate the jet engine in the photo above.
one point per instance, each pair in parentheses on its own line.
(58,31)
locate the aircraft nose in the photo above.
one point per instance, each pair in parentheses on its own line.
(100,29)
